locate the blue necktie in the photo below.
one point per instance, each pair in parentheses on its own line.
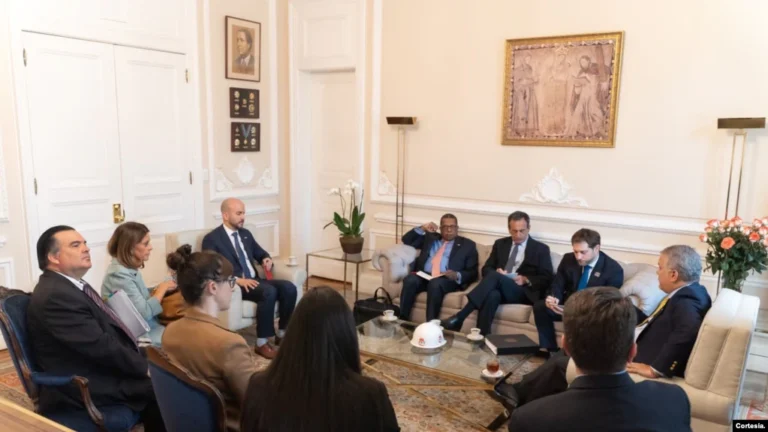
(241,256)
(584,278)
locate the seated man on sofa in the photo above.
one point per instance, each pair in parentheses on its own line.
(585,267)
(664,339)
(238,245)
(518,271)
(451,261)
(604,396)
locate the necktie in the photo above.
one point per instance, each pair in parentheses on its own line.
(584,278)
(437,259)
(96,298)
(241,256)
(512,259)
(655,312)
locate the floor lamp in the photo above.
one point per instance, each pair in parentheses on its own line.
(402,123)
(739,127)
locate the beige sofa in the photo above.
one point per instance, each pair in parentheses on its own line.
(640,283)
(241,313)
(715,372)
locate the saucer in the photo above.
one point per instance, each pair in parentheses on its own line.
(499,373)
(385,319)
(474,338)
(440,345)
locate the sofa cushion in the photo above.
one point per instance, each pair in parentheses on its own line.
(514,312)
(642,285)
(483,252)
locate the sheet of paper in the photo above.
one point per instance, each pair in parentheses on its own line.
(426,276)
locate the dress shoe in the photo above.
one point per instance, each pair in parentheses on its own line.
(266,351)
(508,395)
(278,340)
(453,323)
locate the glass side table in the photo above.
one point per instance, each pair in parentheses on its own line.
(336,254)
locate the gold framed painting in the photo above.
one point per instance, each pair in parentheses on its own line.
(562,91)
(243,49)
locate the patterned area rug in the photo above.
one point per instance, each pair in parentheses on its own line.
(426,402)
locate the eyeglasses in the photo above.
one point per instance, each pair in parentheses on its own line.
(232,282)
(448,227)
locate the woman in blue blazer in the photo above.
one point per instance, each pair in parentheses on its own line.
(130,247)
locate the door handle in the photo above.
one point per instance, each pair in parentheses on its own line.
(118,214)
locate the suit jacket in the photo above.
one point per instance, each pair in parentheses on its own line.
(607,403)
(70,335)
(463,257)
(668,339)
(362,405)
(204,346)
(119,277)
(607,272)
(218,241)
(536,265)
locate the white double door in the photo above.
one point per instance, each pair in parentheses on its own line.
(109,126)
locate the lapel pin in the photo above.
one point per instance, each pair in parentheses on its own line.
(597,274)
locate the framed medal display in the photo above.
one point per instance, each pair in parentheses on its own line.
(246,137)
(243,103)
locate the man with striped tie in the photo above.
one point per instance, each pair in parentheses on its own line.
(585,267)
(664,339)
(447,259)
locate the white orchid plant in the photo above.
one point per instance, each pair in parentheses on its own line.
(350,220)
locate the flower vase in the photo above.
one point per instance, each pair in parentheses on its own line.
(351,244)
(733,284)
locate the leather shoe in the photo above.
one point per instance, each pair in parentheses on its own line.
(278,340)
(453,323)
(266,351)
(508,395)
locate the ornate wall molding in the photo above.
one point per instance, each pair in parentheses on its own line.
(265,181)
(553,189)
(385,186)
(222,183)
(245,171)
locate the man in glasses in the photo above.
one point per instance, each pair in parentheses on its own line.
(448,263)
(518,271)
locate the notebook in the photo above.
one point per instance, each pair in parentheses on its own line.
(511,344)
(126,311)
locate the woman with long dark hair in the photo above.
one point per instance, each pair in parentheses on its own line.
(315,382)
(199,342)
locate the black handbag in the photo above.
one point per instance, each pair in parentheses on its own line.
(368,309)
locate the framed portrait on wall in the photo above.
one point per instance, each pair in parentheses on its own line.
(243,49)
(562,91)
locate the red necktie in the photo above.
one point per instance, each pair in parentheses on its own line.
(96,298)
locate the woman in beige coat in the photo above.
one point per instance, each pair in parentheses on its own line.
(199,342)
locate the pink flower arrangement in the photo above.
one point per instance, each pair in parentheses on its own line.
(735,249)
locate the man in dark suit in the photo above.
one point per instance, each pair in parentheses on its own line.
(73,332)
(237,245)
(451,261)
(586,267)
(604,396)
(664,340)
(519,270)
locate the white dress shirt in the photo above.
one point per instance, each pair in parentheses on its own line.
(591,265)
(78,283)
(240,250)
(520,254)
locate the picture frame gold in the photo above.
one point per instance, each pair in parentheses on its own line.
(562,91)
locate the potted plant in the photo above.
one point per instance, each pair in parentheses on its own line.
(735,249)
(350,221)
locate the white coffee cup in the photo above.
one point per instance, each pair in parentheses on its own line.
(389,314)
(474,332)
(292,260)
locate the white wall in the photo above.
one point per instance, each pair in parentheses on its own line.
(684,66)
